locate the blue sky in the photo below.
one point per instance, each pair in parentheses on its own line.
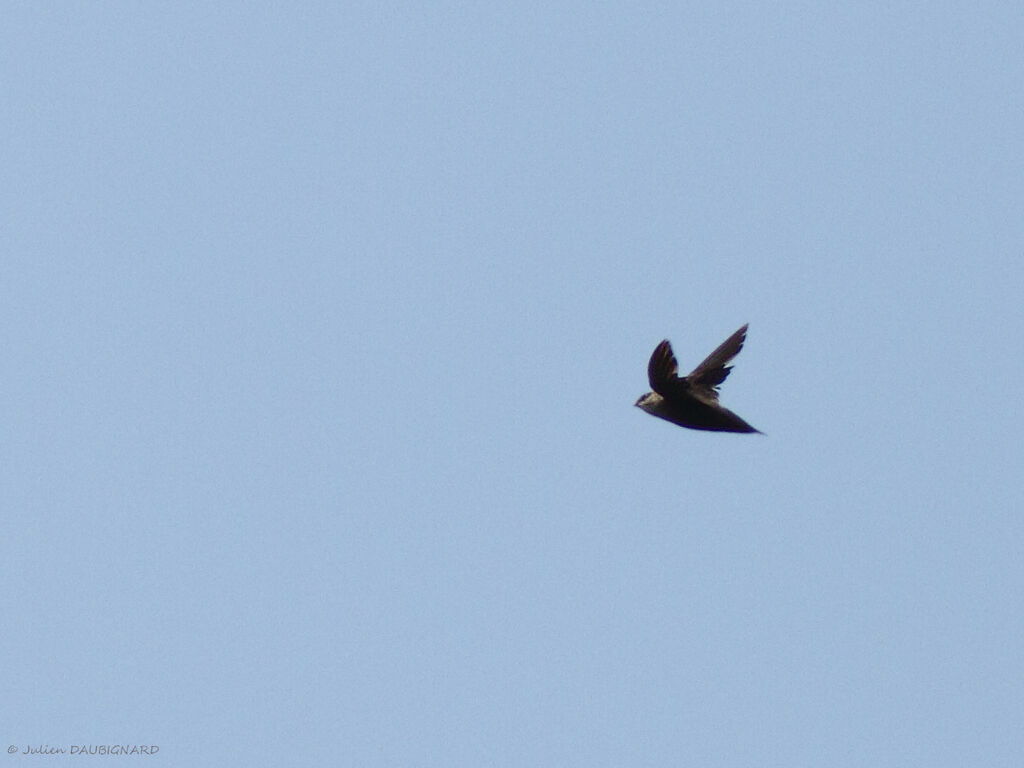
(323,326)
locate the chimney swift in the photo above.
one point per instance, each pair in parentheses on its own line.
(692,401)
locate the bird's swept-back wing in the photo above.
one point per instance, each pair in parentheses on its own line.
(714,370)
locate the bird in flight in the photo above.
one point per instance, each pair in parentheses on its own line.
(692,401)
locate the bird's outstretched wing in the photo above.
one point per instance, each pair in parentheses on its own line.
(662,370)
(706,377)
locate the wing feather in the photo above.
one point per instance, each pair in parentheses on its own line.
(707,376)
(662,369)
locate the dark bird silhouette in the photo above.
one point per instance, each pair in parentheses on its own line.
(692,401)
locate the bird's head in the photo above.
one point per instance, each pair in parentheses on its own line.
(648,401)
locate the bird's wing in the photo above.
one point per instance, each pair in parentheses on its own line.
(706,377)
(662,370)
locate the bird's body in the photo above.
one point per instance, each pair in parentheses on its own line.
(692,401)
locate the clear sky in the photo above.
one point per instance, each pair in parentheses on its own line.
(323,325)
